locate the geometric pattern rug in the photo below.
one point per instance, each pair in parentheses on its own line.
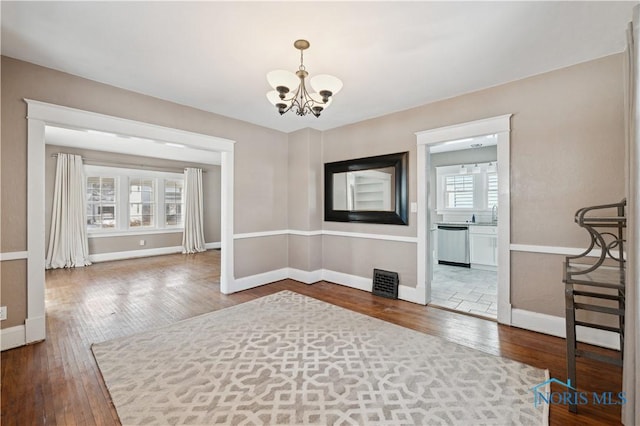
(291,359)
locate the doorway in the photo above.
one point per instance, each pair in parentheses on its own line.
(500,127)
(41,114)
(463,210)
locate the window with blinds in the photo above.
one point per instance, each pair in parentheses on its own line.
(492,189)
(459,191)
(467,188)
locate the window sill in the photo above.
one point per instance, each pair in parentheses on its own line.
(134,232)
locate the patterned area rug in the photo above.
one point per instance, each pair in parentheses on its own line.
(291,359)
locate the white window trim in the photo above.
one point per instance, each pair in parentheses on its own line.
(120,233)
(123,176)
(480,188)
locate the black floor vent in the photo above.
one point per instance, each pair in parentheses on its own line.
(385,284)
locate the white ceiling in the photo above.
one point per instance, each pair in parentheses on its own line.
(391,56)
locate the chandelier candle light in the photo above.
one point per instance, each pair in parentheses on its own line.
(291,90)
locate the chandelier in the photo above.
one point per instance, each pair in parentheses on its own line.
(291,89)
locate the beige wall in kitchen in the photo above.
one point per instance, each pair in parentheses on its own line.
(260,192)
(210,184)
(567,151)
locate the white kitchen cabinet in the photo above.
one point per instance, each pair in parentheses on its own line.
(483,246)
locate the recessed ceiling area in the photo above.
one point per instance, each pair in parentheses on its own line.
(467,143)
(391,56)
(123,144)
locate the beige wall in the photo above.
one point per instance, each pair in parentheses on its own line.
(305,199)
(13,297)
(210,183)
(359,256)
(251,257)
(305,252)
(567,151)
(260,192)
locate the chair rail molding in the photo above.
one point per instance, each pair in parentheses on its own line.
(384,237)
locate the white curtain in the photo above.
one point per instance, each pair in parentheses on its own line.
(193,236)
(631,365)
(68,244)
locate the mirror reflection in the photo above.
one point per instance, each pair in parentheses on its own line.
(365,190)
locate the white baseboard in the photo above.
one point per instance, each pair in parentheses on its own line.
(555,326)
(132,254)
(35,329)
(353,281)
(410,294)
(245,283)
(413,294)
(307,277)
(12,337)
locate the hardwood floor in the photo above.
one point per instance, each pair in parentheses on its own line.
(57,381)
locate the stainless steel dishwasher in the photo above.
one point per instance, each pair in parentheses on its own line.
(453,245)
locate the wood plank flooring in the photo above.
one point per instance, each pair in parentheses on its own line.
(57,381)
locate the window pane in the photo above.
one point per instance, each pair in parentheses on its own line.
(93,222)
(108,189)
(173,201)
(101,202)
(459,191)
(141,202)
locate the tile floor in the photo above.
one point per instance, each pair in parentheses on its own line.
(464,289)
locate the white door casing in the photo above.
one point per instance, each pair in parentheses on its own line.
(41,114)
(500,126)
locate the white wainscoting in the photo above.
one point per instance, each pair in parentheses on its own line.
(12,337)
(384,237)
(563,251)
(14,255)
(133,254)
(252,281)
(409,294)
(555,326)
(542,323)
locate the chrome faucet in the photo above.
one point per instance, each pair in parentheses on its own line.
(494,213)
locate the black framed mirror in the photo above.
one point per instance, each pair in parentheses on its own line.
(369,190)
